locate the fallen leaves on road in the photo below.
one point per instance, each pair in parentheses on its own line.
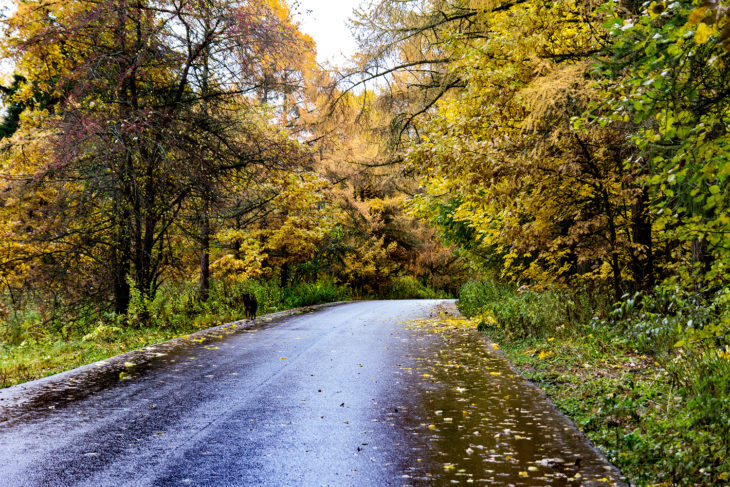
(485,425)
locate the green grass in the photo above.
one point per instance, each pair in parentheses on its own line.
(32,348)
(322,291)
(31,360)
(626,404)
(408,287)
(522,311)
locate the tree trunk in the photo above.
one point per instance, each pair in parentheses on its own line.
(284,275)
(642,261)
(613,239)
(205,210)
(120,269)
(701,260)
(205,252)
(121,251)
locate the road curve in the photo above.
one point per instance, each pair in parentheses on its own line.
(334,397)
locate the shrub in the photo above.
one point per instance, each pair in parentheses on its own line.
(408,287)
(20,326)
(321,291)
(520,311)
(102,333)
(656,398)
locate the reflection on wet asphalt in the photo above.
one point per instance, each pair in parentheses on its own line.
(483,424)
(366,393)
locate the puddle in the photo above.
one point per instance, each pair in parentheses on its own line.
(484,425)
(451,411)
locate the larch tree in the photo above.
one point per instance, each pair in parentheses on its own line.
(506,172)
(377,242)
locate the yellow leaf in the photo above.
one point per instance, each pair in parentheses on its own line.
(656,8)
(696,16)
(703,33)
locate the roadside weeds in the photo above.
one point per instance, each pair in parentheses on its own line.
(625,403)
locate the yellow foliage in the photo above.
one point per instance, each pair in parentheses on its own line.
(298,218)
(703,33)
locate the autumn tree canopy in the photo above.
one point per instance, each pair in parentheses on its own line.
(572,143)
(150,108)
(543,133)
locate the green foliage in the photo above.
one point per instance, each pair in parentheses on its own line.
(102,333)
(667,75)
(19,326)
(323,291)
(520,311)
(649,382)
(408,287)
(269,295)
(628,405)
(669,318)
(10,110)
(51,355)
(31,348)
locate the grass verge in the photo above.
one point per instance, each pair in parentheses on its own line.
(35,359)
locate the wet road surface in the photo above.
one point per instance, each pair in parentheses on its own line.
(366,393)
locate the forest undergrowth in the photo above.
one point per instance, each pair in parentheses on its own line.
(656,405)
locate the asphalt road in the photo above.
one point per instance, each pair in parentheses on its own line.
(340,396)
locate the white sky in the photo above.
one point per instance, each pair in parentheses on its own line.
(5,67)
(326,22)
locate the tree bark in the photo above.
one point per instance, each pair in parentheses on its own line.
(642,261)
(205,252)
(285,275)
(701,260)
(120,269)
(205,210)
(121,250)
(613,240)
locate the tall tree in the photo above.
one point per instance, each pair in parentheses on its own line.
(151,114)
(495,143)
(668,74)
